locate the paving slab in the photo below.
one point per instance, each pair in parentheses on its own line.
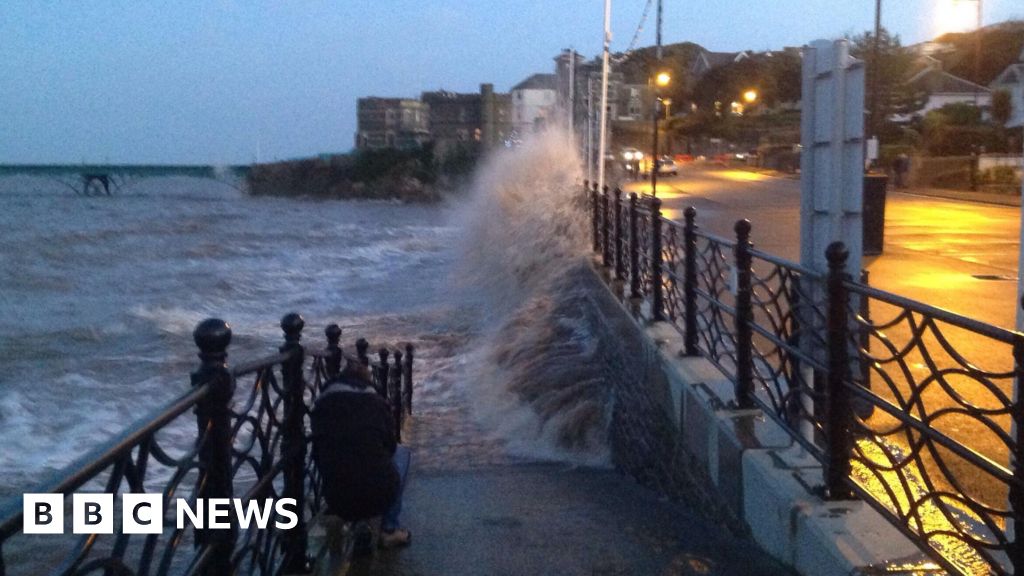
(538,519)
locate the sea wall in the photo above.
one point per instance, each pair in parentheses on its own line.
(673,429)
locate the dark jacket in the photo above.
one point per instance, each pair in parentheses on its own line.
(353,444)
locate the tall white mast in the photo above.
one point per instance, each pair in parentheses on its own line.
(590,129)
(572,88)
(604,94)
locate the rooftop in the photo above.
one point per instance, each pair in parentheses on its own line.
(537,82)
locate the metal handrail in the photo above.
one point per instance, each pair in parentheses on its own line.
(987,330)
(264,411)
(77,474)
(789,318)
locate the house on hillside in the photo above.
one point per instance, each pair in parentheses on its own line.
(944,88)
(707,61)
(1012,80)
(534,102)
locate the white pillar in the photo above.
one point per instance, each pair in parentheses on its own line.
(602,144)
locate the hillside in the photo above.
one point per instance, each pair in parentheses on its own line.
(1001,45)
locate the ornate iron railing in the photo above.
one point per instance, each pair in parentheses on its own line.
(912,408)
(249,439)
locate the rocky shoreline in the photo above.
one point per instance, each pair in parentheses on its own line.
(409,176)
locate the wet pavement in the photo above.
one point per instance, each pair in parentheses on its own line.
(474,510)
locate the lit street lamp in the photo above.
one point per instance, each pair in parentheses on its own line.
(750,96)
(661,80)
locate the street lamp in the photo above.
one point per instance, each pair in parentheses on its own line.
(750,96)
(661,80)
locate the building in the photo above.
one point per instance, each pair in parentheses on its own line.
(707,61)
(571,97)
(498,129)
(534,103)
(943,88)
(1012,80)
(456,120)
(402,123)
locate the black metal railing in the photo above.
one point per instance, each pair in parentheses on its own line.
(249,440)
(911,408)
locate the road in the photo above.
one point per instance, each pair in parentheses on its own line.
(935,249)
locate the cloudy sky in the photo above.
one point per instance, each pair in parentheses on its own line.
(212,81)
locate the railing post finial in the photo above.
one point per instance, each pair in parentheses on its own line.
(744,319)
(332,360)
(293,442)
(213,422)
(382,372)
(292,325)
(212,336)
(690,280)
(362,351)
(839,408)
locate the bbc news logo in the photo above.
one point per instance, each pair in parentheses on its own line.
(144,513)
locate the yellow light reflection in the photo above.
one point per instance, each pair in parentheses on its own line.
(932,517)
(741,176)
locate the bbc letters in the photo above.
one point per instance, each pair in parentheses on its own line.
(144,513)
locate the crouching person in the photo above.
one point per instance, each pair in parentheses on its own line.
(362,468)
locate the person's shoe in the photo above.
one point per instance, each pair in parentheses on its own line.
(362,541)
(398,537)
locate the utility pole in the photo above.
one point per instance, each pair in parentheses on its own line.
(657,99)
(658,33)
(572,88)
(590,129)
(604,94)
(977,58)
(872,131)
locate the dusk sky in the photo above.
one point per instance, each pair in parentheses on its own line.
(210,81)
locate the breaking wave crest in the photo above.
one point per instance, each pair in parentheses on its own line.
(540,376)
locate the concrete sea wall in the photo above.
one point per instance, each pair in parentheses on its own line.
(672,429)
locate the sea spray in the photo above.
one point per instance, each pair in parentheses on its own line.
(541,377)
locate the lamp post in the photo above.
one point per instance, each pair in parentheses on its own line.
(661,80)
(872,128)
(749,99)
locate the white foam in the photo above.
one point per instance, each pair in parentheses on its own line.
(524,227)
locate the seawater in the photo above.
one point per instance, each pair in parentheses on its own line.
(99,297)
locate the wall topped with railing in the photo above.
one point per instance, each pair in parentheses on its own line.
(249,439)
(911,408)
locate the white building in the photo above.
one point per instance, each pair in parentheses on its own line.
(1012,80)
(534,102)
(944,88)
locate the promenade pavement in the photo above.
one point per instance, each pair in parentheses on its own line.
(474,510)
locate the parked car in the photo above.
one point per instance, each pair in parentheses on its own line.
(667,167)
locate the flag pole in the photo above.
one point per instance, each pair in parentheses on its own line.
(603,134)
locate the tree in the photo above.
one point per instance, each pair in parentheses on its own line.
(772,77)
(888,77)
(1002,108)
